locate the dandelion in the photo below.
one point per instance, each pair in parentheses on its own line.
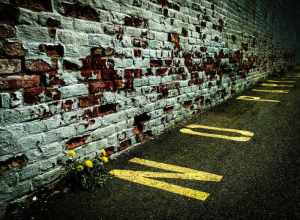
(89,164)
(79,168)
(103,153)
(71,153)
(105,159)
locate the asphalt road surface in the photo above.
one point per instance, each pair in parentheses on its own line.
(259,178)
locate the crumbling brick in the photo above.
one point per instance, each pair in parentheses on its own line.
(18,82)
(9,66)
(13,163)
(37,66)
(12,50)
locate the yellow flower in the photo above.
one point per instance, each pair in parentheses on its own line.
(71,153)
(103,153)
(105,159)
(89,164)
(79,168)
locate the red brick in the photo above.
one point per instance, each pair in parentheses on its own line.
(108,74)
(13,49)
(87,73)
(98,62)
(120,84)
(87,62)
(31,95)
(161,71)
(174,38)
(75,142)
(9,66)
(13,163)
(156,63)
(18,82)
(134,21)
(133,73)
(37,66)
(98,111)
(137,52)
(31,81)
(89,101)
(52,50)
(138,73)
(96,86)
(53,79)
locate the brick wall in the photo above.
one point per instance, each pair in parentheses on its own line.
(86,74)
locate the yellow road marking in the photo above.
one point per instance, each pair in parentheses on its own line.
(144,178)
(247,135)
(204,176)
(275,85)
(271,91)
(256,99)
(166,175)
(281,81)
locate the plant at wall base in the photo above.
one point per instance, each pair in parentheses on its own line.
(88,174)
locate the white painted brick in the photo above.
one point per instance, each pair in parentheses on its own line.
(74,90)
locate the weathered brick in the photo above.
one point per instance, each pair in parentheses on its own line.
(95,87)
(89,101)
(100,39)
(73,90)
(13,49)
(72,37)
(52,50)
(33,33)
(32,95)
(9,66)
(37,66)
(88,26)
(79,10)
(18,82)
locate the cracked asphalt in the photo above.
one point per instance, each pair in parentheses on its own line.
(261,177)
